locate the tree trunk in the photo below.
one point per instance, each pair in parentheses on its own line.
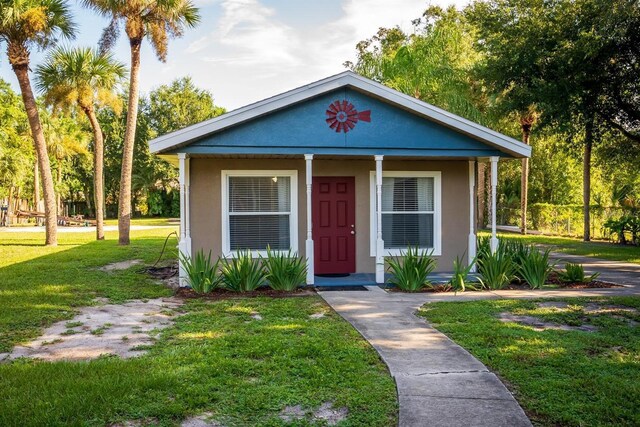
(524,180)
(98,171)
(586,180)
(36,186)
(51,226)
(10,202)
(481,189)
(58,195)
(124,205)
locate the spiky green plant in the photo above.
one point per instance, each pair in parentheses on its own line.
(459,281)
(202,274)
(284,271)
(410,270)
(534,267)
(574,273)
(242,273)
(496,269)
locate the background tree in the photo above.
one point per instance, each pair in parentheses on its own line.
(157,20)
(82,78)
(25,24)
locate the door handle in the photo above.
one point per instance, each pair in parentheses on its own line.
(353,232)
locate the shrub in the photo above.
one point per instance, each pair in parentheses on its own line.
(533,267)
(242,273)
(496,269)
(574,273)
(284,271)
(461,271)
(202,275)
(410,269)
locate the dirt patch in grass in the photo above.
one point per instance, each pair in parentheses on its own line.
(122,265)
(326,412)
(125,330)
(540,325)
(222,294)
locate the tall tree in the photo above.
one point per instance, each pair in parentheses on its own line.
(83,78)
(156,20)
(25,24)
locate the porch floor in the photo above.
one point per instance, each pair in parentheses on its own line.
(369,279)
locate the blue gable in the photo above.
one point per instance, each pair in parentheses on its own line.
(303,128)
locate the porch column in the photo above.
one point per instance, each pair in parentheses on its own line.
(379,241)
(309,242)
(472,227)
(185,223)
(494,190)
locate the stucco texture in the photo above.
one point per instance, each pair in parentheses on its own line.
(206,203)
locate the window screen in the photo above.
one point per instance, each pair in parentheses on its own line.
(408,212)
(259,212)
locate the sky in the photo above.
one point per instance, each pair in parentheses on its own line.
(243,51)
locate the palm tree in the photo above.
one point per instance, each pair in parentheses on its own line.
(65,139)
(156,20)
(25,24)
(83,78)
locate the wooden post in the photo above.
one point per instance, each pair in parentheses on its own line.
(472,224)
(185,225)
(379,241)
(494,191)
(309,242)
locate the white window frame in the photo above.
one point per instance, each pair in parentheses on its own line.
(437,208)
(293,213)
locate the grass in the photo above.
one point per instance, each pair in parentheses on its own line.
(568,378)
(575,246)
(216,358)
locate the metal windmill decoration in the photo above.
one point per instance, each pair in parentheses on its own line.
(343,116)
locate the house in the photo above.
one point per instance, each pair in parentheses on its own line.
(343,171)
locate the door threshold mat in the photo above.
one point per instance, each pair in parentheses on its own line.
(341,288)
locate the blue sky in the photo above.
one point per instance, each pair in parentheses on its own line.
(246,50)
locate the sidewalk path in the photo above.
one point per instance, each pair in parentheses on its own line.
(439,383)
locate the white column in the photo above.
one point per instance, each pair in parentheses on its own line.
(472,209)
(185,224)
(309,242)
(494,190)
(379,241)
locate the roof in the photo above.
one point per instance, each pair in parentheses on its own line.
(179,141)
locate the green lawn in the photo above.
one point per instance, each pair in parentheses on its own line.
(575,246)
(216,358)
(568,378)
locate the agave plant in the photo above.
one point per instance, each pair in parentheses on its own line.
(242,273)
(411,269)
(202,274)
(284,271)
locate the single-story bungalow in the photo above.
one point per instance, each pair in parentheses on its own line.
(343,171)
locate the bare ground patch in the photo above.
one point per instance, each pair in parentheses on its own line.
(326,412)
(122,265)
(118,329)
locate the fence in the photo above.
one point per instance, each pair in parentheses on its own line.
(564,220)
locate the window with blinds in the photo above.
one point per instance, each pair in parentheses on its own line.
(408,212)
(259,209)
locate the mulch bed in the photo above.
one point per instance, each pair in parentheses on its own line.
(517,286)
(222,294)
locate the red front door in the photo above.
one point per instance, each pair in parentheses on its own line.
(334,222)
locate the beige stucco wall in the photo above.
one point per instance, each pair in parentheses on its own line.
(206,219)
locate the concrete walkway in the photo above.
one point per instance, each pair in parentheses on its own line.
(439,383)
